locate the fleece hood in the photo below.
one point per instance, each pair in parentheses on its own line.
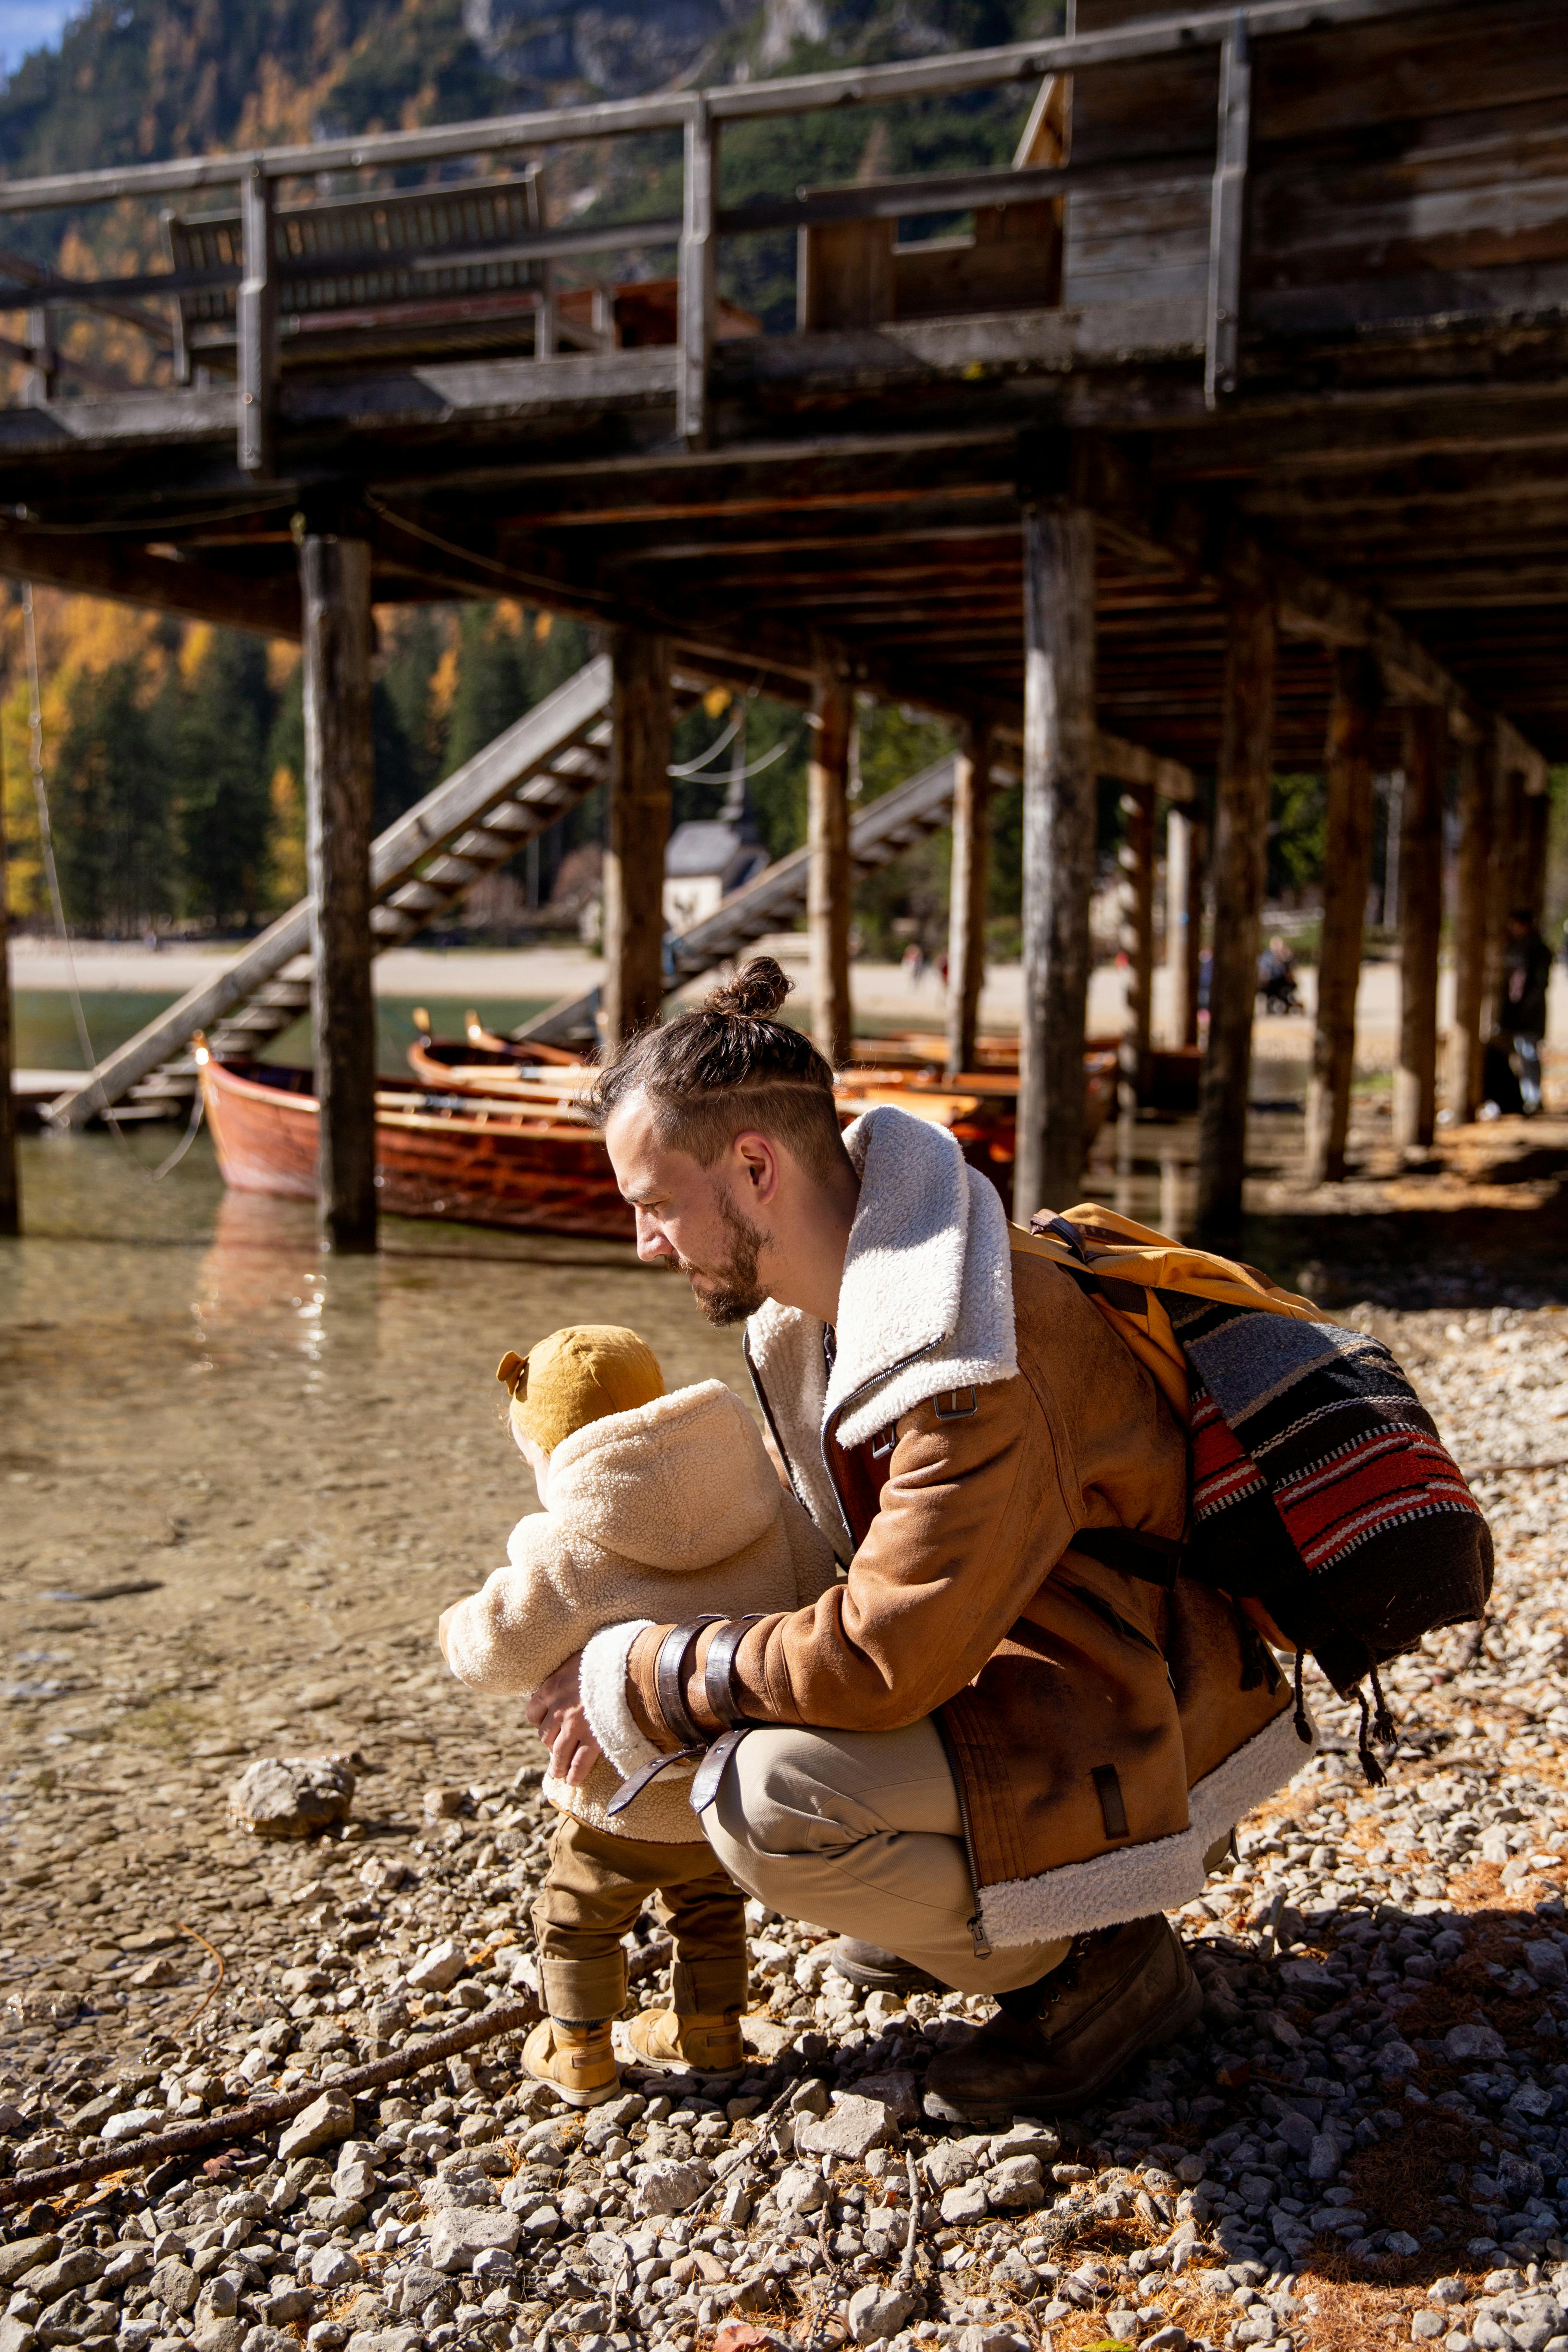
(703,1490)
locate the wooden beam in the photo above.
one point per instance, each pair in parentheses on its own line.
(1183,924)
(1060,737)
(830,879)
(1420,923)
(1227,221)
(637,836)
(125,572)
(1138,932)
(1240,868)
(1347,868)
(699,285)
(968,897)
(1467,1043)
(10,1186)
(257,327)
(339,784)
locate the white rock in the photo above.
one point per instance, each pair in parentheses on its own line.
(131,2123)
(461,2234)
(966,2203)
(334,2266)
(328,2119)
(801,2189)
(1015,2184)
(1472,2041)
(877,2313)
(851,2128)
(666,2185)
(291,1796)
(440,1966)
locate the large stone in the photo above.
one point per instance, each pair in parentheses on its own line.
(897,2091)
(25,2254)
(1546,1963)
(966,2203)
(668,2186)
(290,2304)
(220,2335)
(949,2163)
(439,1968)
(877,2313)
(1465,2042)
(76,2268)
(800,2189)
(1323,2158)
(320,2125)
(291,1796)
(334,2266)
(1015,2185)
(176,2287)
(851,2128)
(218,2299)
(461,2234)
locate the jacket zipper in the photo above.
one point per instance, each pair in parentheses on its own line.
(761,1396)
(980,1941)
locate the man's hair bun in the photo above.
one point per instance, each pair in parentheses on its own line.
(756,992)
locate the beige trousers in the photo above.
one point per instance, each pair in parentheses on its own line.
(860,1833)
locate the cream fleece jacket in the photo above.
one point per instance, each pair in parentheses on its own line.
(654,1516)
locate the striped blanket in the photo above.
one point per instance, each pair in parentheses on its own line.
(1320,1487)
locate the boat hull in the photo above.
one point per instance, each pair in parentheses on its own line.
(483,1164)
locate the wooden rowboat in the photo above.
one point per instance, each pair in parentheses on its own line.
(478,1160)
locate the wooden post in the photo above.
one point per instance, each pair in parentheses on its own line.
(1240,871)
(1179,992)
(638,835)
(257,325)
(1138,932)
(968,896)
(830,881)
(1227,214)
(1505,782)
(39,382)
(334,582)
(1059,779)
(10,1188)
(1467,1042)
(699,281)
(1420,923)
(1347,870)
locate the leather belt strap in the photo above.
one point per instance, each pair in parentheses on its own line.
(669,1678)
(719,1667)
(639,1780)
(712,1769)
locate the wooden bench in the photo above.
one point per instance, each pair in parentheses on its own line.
(364,277)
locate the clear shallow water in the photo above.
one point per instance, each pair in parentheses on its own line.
(47,1031)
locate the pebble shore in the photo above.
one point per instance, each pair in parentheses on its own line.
(1364,2141)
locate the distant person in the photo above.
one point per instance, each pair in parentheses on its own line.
(653,1505)
(914,963)
(1521,1019)
(1277,977)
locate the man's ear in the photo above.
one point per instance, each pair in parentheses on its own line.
(757,1167)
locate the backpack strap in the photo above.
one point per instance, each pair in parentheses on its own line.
(1046,1221)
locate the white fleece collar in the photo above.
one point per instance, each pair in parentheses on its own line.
(926,1304)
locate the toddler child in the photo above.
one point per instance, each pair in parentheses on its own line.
(656,1509)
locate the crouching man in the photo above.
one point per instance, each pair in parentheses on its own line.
(984,1756)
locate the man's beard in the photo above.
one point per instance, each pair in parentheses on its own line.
(731,1292)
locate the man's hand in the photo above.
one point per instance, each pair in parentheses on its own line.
(555,1711)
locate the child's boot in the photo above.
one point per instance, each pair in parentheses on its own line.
(711,2041)
(577,2058)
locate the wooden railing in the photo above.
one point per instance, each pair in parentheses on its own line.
(703,221)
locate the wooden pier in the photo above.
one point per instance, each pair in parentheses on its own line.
(1225,433)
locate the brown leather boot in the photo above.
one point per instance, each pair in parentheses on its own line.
(1054,2045)
(664,2037)
(577,2060)
(875,1970)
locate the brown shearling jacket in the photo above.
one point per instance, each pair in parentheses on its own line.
(1105,1733)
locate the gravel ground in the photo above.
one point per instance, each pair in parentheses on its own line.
(1358,2145)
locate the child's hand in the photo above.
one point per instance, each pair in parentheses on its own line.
(555,1711)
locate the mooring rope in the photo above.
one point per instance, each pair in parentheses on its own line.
(51,873)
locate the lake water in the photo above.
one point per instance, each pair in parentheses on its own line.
(47,1035)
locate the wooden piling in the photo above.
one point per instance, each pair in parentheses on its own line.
(1138,933)
(637,835)
(1506,790)
(1420,924)
(1466,1042)
(1181,997)
(967,897)
(1060,781)
(830,881)
(1347,870)
(1240,870)
(334,582)
(10,1186)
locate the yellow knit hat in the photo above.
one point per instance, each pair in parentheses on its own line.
(578,1375)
